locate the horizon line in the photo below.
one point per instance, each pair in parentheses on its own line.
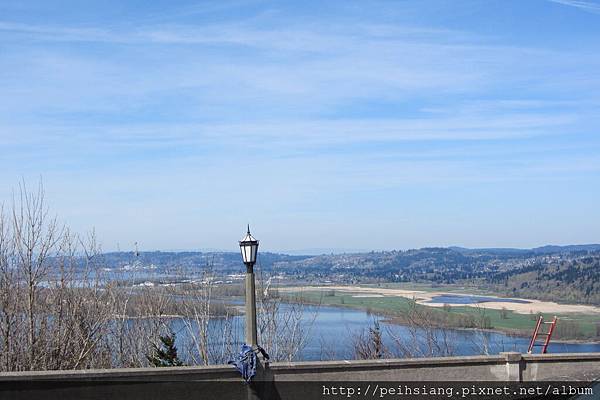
(326,251)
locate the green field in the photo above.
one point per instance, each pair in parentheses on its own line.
(570,326)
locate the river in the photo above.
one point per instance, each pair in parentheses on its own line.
(330,335)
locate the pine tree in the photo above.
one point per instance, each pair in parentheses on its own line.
(165,353)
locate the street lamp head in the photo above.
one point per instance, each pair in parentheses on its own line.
(249,249)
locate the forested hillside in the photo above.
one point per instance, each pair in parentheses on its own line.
(570,280)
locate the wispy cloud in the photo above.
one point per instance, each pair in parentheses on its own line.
(291,69)
(356,115)
(589,6)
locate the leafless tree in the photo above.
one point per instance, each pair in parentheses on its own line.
(36,236)
(420,336)
(480,342)
(283,328)
(57,311)
(61,309)
(9,288)
(329,349)
(196,298)
(139,317)
(368,343)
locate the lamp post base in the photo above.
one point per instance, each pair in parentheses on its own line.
(251,333)
(262,385)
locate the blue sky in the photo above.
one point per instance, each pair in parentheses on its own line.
(330,125)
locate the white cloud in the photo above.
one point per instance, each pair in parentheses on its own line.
(168,114)
(581,4)
(287,71)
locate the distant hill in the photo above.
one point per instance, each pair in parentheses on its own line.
(564,273)
(428,260)
(571,279)
(492,250)
(548,249)
(567,249)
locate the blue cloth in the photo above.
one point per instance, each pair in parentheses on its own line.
(245,362)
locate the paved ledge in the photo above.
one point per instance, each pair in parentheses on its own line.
(226,371)
(386,363)
(505,366)
(205,372)
(562,357)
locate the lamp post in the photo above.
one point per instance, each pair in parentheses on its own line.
(249,249)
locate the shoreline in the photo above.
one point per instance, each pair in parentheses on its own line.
(508,332)
(390,318)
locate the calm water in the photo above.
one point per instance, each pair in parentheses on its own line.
(466,299)
(330,336)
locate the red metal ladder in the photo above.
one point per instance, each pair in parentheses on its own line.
(537,333)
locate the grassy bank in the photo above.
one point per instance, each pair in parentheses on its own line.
(570,326)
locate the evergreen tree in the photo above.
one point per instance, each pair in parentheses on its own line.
(165,353)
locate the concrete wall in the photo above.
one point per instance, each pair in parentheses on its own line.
(508,366)
(149,382)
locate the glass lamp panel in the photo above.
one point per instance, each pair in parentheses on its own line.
(246,253)
(243,253)
(254,251)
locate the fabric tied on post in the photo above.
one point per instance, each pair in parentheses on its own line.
(246,361)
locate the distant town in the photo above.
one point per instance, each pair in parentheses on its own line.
(531,273)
